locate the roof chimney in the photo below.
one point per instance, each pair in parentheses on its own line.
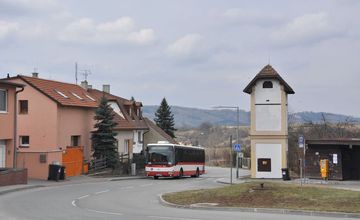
(84,84)
(106,88)
(35,75)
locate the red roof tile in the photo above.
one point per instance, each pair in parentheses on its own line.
(65,94)
(159,130)
(268,72)
(128,122)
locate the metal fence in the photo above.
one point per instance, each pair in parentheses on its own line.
(97,165)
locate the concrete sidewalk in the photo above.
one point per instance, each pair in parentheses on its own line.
(32,183)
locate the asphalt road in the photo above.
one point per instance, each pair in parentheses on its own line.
(136,199)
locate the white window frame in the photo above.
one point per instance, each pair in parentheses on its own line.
(21,141)
(27,109)
(78,140)
(139,134)
(126,146)
(6,101)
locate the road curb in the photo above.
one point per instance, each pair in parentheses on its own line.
(224,181)
(3,192)
(128,178)
(262,210)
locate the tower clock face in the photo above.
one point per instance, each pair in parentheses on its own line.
(268,105)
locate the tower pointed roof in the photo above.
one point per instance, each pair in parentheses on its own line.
(268,72)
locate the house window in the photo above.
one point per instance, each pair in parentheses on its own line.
(267,85)
(24,141)
(23,106)
(126,146)
(75,140)
(264,165)
(139,137)
(3,100)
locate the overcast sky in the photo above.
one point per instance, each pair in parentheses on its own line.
(198,53)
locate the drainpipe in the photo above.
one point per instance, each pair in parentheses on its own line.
(15,127)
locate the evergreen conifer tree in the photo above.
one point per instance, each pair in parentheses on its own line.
(165,119)
(103,139)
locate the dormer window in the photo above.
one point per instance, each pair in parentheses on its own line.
(267,85)
(60,93)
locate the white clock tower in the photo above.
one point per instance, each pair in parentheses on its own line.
(269,131)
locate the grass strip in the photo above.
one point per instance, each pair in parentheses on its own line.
(273,195)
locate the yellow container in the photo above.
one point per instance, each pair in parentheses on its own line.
(324,168)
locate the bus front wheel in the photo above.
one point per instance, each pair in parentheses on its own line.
(156,177)
(197,173)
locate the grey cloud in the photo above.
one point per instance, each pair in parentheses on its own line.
(306,29)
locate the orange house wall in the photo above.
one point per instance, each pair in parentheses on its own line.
(7,126)
(41,121)
(50,127)
(75,121)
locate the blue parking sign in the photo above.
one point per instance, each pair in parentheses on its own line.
(237,147)
(301,141)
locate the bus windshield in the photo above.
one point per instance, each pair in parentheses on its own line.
(160,155)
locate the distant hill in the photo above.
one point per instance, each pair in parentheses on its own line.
(193,117)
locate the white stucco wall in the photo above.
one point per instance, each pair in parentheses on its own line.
(273,95)
(272,151)
(268,117)
(138,145)
(267,106)
(121,136)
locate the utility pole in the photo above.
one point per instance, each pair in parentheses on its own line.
(231,160)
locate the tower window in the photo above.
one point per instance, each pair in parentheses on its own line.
(267,85)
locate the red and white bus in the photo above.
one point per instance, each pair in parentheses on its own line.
(172,160)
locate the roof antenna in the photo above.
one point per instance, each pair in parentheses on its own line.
(76,73)
(86,73)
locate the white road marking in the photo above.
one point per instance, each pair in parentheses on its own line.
(82,197)
(167,217)
(127,187)
(74,203)
(145,185)
(101,212)
(104,191)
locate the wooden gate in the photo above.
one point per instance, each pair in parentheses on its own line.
(72,159)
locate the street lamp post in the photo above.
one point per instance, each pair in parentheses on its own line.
(237,132)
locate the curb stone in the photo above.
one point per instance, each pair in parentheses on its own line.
(19,189)
(263,210)
(128,178)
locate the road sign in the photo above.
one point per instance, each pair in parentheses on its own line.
(301,141)
(237,147)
